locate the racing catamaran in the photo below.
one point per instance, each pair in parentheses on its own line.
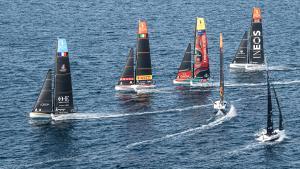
(140,77)
(59,98)
(250,54)
(197,73)
(270,134)
(220,105)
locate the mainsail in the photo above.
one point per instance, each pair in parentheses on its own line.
(221,70)
(44,101)
(143,59)
(127,77)
(242,52)
(185,69)
(201,61)
(256,53)
(279,109)
(269,116)
(63,97)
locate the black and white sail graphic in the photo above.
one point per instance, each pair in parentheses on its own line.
(256,53)
(269,115)
(143,59)
(63,96)
(127,77)
(44,101)
(242,52)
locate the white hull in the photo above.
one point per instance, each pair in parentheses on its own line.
(181,82)
(249,67)
(219,106)
(133,87)
(194,83)
(201,84)
(124,88)
(263,137)
(39,115)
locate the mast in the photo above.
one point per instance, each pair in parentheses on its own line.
(63,95)
(44,101)
(256,53)
(143,59)
(279,110)
(269,116)
(185,69)
(241,55)
(127,77)
(201,60)
(221,69)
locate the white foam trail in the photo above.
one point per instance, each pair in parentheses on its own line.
(261,84)
(282,68)
(80,116)
(260,134)
(243,149)
(232,113)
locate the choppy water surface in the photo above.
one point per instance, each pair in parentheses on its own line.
(164,128)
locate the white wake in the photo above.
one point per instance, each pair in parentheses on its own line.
(261,84)
(232,113)
(81,116)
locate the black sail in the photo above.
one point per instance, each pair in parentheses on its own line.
(256,53)
(143,59)
(44,101)
(127,77)
(279,109)
(269,116)
(63,96)
(242,52)
(186,64)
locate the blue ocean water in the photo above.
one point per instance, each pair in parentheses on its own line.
(165,128)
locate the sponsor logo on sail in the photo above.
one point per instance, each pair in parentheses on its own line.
(256,43)
(144,77)
(63,68)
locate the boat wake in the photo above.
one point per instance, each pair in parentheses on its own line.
(279,137)
(232,113)
(82,116)
(262,84)
(283,68)
(154,90)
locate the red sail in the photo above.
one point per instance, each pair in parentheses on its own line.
(201,60)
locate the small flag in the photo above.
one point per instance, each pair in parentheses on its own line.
(62,54)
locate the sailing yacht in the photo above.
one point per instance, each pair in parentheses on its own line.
(270,134)
(140,76)
(196,73)
(58,98)
(250,54)
(220,105)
